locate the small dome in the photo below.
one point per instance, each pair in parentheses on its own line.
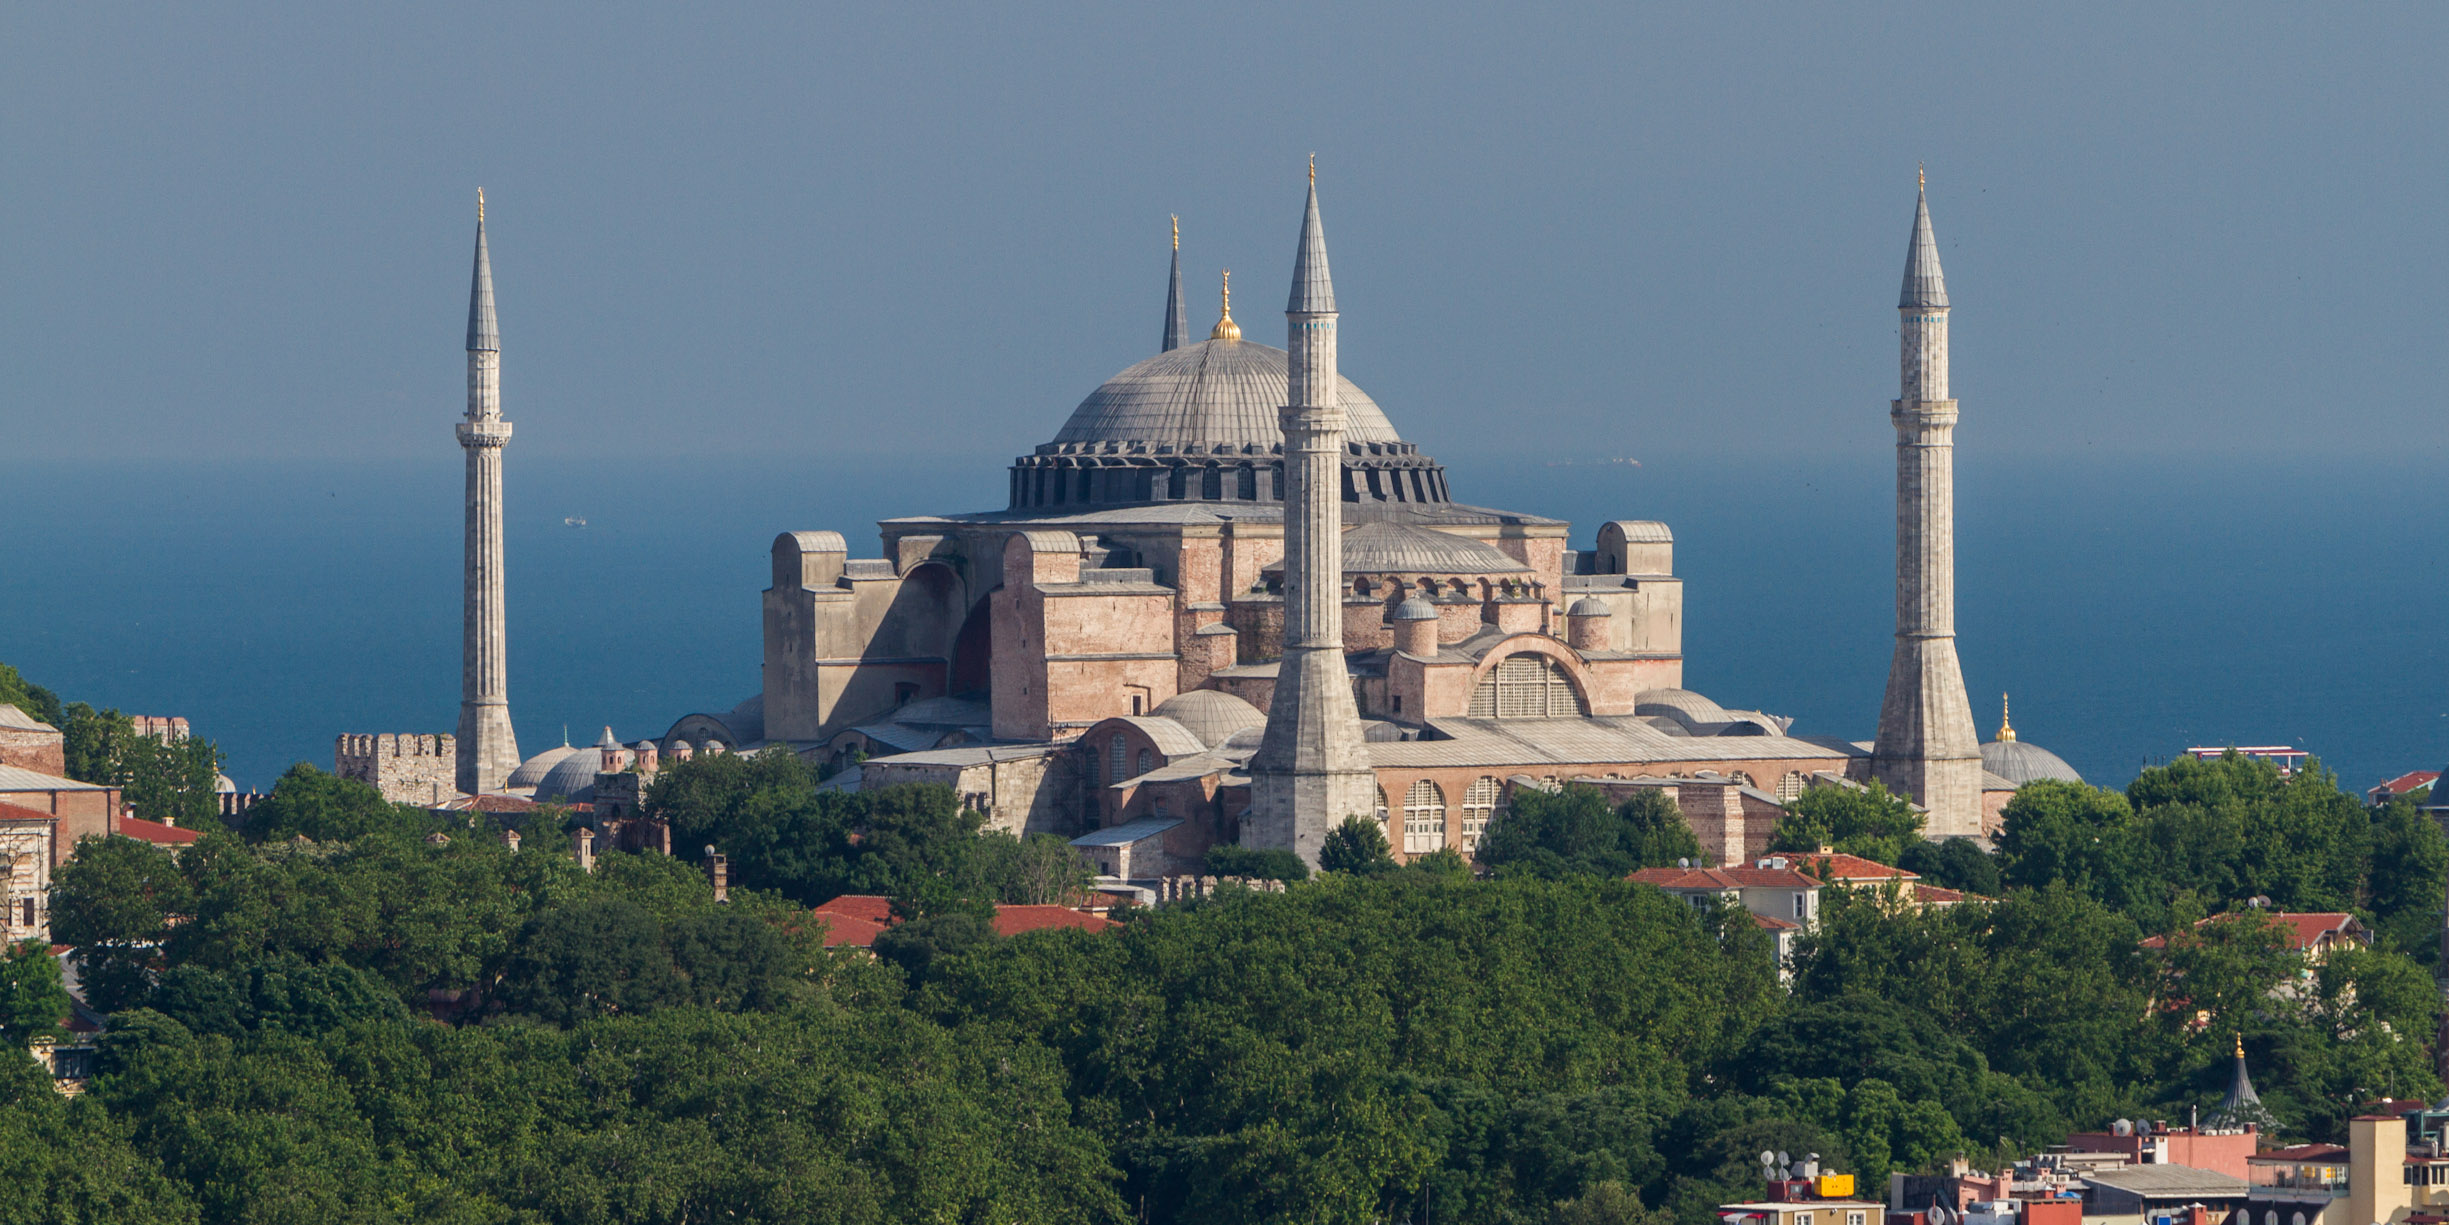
(1590,606)
(223,786)
(1684,704)
(1414,609)
(1216,391)
(571,779)
(1211,716)
(2020,762)
(531,772)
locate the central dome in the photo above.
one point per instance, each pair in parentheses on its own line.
(1214,393)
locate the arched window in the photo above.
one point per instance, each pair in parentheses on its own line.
(1525,686)
(1480,805)
(1791,786)
(1121,760)
(1424,818)
(1144,759)
(1741,779)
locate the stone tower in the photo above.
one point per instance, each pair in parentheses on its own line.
(1177,311)
(1312,769)
(488,751)
(1927,747)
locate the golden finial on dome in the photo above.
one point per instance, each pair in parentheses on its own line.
(480,206)
(1226,329)
(2240,1044)
(2006,729)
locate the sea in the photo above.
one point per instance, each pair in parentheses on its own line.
(2130,607)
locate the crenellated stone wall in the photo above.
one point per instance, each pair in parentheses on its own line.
(407,767)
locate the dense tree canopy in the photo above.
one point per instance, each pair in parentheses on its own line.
(336,1019)
(1865,821)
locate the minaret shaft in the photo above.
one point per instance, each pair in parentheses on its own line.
(487,749)
(1312,768)
(1927,746)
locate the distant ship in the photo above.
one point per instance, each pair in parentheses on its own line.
(574,521)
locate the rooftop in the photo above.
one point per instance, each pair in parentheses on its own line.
(2168,1181)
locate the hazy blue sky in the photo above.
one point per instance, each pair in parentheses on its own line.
(242,230)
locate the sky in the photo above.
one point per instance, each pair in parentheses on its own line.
(903,233)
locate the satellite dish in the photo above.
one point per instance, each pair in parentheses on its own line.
(1783,1159)
(1938,1215)
(1767,1157)
(2123,1127)
(1686,863)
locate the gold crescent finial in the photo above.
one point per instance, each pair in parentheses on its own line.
(1226,329)
(2006,729)
(1313,170)
(1921,178)
(480,206)
(1177,231)
(2240,1044)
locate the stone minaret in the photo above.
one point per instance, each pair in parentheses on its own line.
(488,751)
(1927,747)
(1312,769)
(1177,311)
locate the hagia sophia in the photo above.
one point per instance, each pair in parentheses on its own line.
(1142,650)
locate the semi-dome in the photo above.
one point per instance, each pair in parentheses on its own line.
(1414,609)
(1211,716)
(1216,392)
(531,772)
(2019,762)
(1590,606)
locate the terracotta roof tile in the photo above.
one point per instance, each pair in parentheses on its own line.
(19,812)
(1013,920)
(155,832)
(1724,878)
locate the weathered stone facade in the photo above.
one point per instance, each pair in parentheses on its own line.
(31,744)
(408,768)
(28,847)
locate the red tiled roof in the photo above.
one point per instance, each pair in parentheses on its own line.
(1765,923)
(155,832)
(1013,920)
(1724,878)
(842,929)
(2409,781)
(19,812)
(864,906)
(2303,930)
(1839,866)
(2303,1152)
(858,918)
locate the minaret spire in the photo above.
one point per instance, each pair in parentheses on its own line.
(1177,311)
(1312,768)
(487,750)
(1927,746)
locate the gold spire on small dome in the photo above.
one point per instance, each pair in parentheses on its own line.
(2006,729)
(2240,1044)
(1226,329)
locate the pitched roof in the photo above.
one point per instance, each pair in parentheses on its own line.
(155,832)
(1128,832)
(1851,869)
(18,778)
(1013,920)
(19,812)
(1724,878)
(16,720)
(872,908)
(2397,786)
(2303,931)
(2303,1153)
(842,929)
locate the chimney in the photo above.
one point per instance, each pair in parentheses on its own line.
(582,845)
(170,819)
(2376,1167)
(510,838)
(718,870)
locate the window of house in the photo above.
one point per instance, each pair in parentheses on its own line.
(1802,902)
(1424,818)
(1480,804)
(1853,1218)
(1802,1218)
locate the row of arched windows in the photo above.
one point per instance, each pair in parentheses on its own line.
(1424,815)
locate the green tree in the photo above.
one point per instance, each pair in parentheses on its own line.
(1575,830)
(1865,821)
(308,803)
(1252,863)
(1039,870)
(1358,845)
(32,1000)
(29,697)
(1954,863)
(1605,1203)
(115,901)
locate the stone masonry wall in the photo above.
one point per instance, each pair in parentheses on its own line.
(408,768)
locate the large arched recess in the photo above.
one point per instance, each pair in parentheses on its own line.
(973,650)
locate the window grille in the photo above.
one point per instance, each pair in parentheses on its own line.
(1120,761)
(1144,761)
(1480,805)
(1424,818)
(1526,686)
(1791,786)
